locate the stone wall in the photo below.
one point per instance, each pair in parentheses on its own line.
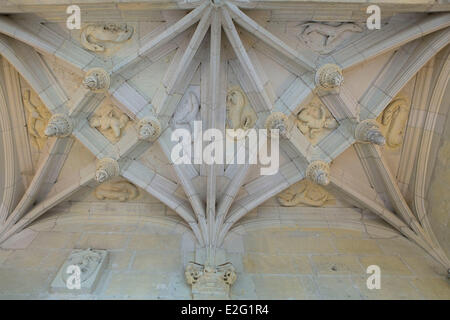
(148,255)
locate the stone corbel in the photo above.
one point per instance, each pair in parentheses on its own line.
(368,131)
(210,282)
(96,80)
(59,125)
(318,171)
(107,168)
(278,120)
(149,128)
(329,77)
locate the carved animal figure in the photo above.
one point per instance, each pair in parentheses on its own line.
(304,192)
(118,190)
(331,34)
(240,114)
(37,119)
(313,119)
(109,120)
(186,113)
(95,37)
(394,119)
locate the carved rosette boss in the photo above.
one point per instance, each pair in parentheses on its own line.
(329,77)
(318,171)
(149,128)
(277,120)
(210,282)
(369,131)
(107,168)
(59,125)
(96,80)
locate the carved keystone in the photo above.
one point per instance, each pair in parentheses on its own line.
(329,76)
(149,128)
(369,131)
(59,125)
(107,168)
(318,171)
(210,282)
(277,120)
(96,80)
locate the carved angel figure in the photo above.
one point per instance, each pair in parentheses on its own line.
(393,121)
(117,190)
(94,37)
(304,192)
(37,119)
(313,119)
(240,114)
(323,37)
(109,119)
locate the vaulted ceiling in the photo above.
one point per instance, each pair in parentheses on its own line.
(188,57)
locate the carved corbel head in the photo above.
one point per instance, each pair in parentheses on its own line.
(278,120)
(318,171)
(107,168)
(329,77)
(149,128)
(59,125)
(368,131)
(96,80)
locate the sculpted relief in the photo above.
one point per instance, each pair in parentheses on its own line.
(117,190)
(37,118)
(109,122)
(103,37)
(187,112)
(87,260)
(393,122)
(304,192)
(239,113)
(324,38)
(315,121)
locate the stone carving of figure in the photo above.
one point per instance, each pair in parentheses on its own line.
(87,260)
(239,113)
(186,112)
(393,120)
(117,190)
(37,118)
(314,119)
(110,119)
(304,192)
(96,37)
(324,38)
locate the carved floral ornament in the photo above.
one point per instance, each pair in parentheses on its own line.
(318,171)
(329,77)
(149,128)
(278,120)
